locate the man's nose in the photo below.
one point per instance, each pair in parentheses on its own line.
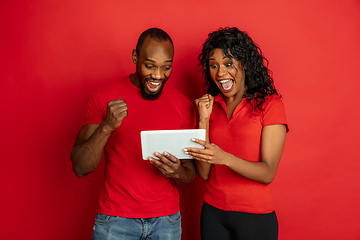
(156,74)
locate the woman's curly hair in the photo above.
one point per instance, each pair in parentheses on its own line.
(238,45)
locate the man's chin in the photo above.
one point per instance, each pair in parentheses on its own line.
(150,95)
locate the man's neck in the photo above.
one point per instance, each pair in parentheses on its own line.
(135,80)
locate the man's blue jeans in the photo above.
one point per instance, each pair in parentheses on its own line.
(161,228)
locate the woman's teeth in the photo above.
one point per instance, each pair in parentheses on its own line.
(226,84)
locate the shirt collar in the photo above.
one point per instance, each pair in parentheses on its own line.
(219,98)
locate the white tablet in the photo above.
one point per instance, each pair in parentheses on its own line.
(171,141)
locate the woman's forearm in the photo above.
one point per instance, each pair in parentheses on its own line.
(203,169)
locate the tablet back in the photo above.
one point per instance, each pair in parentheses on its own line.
(171,141)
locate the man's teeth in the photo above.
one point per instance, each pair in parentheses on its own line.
(153,86)
(155,83)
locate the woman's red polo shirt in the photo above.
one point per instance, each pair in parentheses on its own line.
(241,136)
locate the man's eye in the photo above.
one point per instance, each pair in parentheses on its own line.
(167,68)
(149,66)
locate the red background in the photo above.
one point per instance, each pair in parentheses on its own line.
(54,54)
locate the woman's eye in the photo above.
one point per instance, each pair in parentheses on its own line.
(213,66)
(228,64)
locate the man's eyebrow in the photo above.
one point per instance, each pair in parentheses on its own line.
(150,60)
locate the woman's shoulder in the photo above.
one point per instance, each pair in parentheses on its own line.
(273,97)
(273,100)
(269,101)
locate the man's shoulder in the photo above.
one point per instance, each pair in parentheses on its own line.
(117,84)
(174,93)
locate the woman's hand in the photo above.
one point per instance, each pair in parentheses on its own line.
(272,145)
(212,153)
(205,105)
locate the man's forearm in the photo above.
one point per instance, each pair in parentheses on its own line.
(187,174)
(86,155)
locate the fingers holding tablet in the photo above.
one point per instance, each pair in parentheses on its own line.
(167,164)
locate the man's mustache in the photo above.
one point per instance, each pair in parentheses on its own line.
(153,79)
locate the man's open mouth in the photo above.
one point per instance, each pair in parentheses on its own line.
(153,86)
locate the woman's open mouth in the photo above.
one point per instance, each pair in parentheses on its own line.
(226,85)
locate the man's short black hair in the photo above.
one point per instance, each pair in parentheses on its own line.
(156,34)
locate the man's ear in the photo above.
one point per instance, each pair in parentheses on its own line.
(134,57)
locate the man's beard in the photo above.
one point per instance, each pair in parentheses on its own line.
(151,95)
